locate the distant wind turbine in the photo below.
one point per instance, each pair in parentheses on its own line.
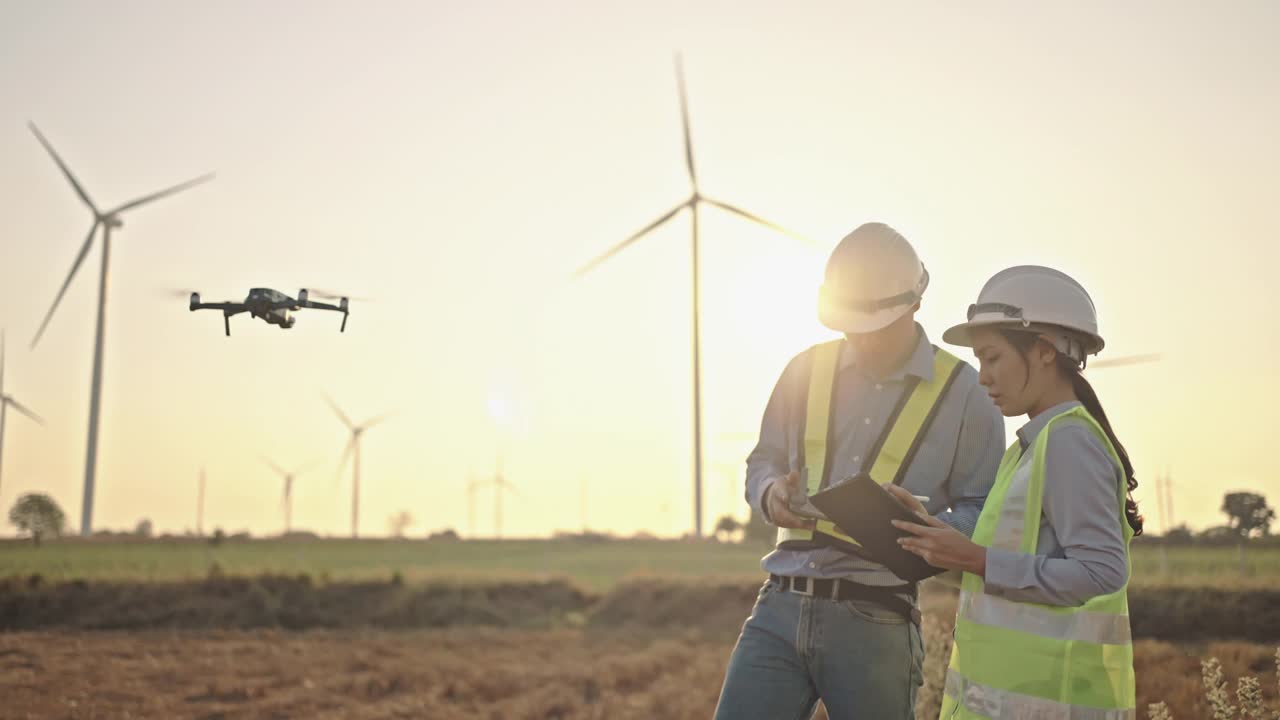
(200,506)
(287,499)
(500,485)
(108,221)
(1124,360)
(353,448)
(473,484)
(692,202)
(7,401)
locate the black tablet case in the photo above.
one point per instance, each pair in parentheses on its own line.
(862,510)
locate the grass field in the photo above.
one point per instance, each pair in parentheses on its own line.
(596,566)
(604,664)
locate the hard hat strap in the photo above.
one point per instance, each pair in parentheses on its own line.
(906,298)
(1010,311)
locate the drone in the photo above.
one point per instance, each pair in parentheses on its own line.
(271,306)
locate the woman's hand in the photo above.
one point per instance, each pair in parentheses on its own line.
(906,499)
(943,546)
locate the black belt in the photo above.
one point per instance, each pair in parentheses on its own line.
(887,596)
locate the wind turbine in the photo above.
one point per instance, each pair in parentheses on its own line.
(500,485)
(1124,360)
(200,506)
(287,499)
(107,221)
(692,202)
(353,448)
(5,402)
(473,484)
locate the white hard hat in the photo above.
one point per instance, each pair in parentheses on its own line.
(873,278)
(1036,299)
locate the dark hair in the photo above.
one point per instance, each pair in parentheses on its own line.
(1023,342)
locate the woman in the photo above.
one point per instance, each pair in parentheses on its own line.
(1042,628)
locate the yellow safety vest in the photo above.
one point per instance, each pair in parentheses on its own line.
(1027,660)
(889,458)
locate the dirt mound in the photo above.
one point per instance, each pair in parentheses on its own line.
(709,609)
(284,602)
(1204,614)
(706,608)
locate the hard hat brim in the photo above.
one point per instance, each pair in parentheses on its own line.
(857,322)
(961,335)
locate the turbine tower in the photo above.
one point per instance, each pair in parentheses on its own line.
(353,448)
(286,501)
(200,506)
(108,221)
(7,401)
(692,202)
(500,485)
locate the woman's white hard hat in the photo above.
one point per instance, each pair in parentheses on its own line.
(1035,299)
(873,277)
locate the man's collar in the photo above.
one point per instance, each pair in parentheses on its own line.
(918,364)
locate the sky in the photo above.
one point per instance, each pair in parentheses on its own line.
(455,163)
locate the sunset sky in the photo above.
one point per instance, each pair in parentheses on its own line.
(455,162)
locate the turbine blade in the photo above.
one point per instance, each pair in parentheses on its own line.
(684,118)
(617,248)
(65,170)
(341,415)
(761,221)
(377,421)
(23,409)
(163,193)
(279,470)
(84,250)
(1124,360)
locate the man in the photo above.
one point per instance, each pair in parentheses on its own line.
(831,623)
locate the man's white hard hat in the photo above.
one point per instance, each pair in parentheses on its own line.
(1035,299)
(873,278)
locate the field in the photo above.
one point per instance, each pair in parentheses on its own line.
(596,566)
(516,629)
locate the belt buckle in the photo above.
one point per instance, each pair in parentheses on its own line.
(808,586)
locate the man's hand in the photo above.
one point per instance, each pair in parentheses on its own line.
(779,509)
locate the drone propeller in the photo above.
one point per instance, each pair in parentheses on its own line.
(328,295)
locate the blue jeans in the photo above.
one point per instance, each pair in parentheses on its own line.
(862,660)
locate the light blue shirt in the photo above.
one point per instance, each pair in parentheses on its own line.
(1080,550)
(955,465)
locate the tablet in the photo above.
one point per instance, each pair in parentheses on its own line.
(862,509)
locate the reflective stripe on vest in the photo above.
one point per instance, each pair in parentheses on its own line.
(1021,659)
(980,701)
(894,450)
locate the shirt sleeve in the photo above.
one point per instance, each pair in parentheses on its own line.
(978,453)
(770,459)
(1082,506)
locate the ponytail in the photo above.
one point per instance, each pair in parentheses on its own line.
(1089,398)
(1024,341)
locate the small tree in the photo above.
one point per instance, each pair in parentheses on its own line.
(727,526)
(400,522)
(144,528)
(1248,513)
(38,514)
